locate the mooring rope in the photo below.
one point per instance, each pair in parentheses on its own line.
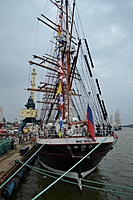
(22,166)
(42,171)
(108,184)
(69,169)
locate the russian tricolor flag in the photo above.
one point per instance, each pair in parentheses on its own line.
(90,122)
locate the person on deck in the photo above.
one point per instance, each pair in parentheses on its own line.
(98,129)
(109,129)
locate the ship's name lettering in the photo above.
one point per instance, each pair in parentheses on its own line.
(86,140)
(82,141)
(78,141)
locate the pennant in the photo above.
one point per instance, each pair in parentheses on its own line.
(60,118)
(59,32)
(59,27)
(60,70)
(60,62)
(60,100)
(59,112)
(59,88)
(61,122)
(60,16)
(90,123)
(60,39)
(58,56)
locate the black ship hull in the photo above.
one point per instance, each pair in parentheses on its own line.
(60,157)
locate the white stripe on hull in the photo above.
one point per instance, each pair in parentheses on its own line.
(74,140)
(73,175)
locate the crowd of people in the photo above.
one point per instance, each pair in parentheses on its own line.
(18,139)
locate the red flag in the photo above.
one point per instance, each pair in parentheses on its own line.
(90,123)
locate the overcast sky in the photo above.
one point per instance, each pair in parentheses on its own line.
(108,27)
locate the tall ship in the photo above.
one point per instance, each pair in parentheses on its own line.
(2,119)
(117,121)
(74,130)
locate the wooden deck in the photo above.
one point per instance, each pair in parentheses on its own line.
(8,164)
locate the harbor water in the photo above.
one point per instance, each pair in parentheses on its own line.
(116,169)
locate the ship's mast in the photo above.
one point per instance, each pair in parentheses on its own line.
(63,63)
(68,61)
